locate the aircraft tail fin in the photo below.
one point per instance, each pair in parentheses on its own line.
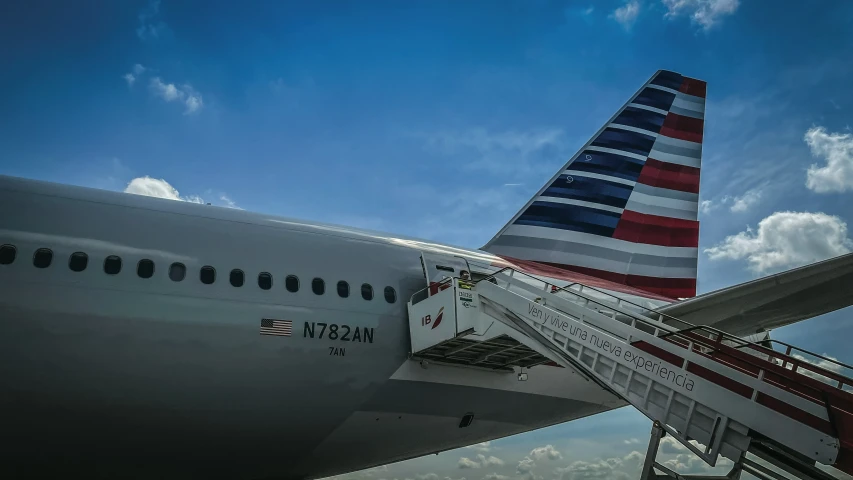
(625,207)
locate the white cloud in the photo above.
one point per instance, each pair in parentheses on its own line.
(836,149)
(194,101)
(631,441)
(627,14)
(227,202)
(167,91)
(131,76)
(159,188)
(707,206)
(495,476)
(482,447)
(687,463)
(482,461)
(614,468)
(548,451)
(786,239)
(820,363)
(671,445)
(525,465)
(598,469)
(746,201)
(706,13)
(170,93)
(149,28)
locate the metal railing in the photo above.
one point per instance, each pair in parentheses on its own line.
(710,338)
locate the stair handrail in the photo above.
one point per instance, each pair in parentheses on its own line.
(709,343)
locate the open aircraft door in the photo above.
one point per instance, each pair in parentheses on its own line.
(439,267)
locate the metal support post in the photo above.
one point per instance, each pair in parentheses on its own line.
(648,472)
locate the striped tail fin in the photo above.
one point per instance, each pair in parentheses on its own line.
(625,207)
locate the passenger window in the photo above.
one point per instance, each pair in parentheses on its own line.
(292,283)
(236,278)
(265,281)
(343,289)
(366,291)
(112,265)
(78,262)
(7,254)
(207,275)
(177,272)
(318,286)
(145,268)
(390,295)
(42,258)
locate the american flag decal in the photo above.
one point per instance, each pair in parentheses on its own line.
(281,328)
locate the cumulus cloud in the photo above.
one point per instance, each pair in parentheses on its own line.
(671,445)
(160,188)
(736,203)
(495,476)
(548,451)
(614,468)
(705,13)
(746,201)
(133,75)
(525,465)
(820,363)
(836,150)
(185,94)
(481,447)
(786,239)
(481,461)
(627,14)
(153,187)
(687,463)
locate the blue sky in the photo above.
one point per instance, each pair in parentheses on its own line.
(439,120)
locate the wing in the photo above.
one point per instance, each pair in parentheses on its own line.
(773,301)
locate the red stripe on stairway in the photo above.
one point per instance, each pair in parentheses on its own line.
(659,353)
(682,127)
(795,413)
(721,380)
(669,175)
(655,230)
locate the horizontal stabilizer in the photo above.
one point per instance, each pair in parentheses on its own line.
(773,301)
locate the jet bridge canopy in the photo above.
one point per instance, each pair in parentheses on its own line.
(696,383)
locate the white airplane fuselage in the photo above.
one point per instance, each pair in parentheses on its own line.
(115,375)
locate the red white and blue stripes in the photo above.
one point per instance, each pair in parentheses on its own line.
(625,208)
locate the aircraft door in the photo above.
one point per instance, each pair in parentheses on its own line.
(438,267)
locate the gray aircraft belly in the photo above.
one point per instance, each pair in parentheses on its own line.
(119,375)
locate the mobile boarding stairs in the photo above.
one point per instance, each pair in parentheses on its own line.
(715,393)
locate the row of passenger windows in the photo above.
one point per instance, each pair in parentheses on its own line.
(78,262)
